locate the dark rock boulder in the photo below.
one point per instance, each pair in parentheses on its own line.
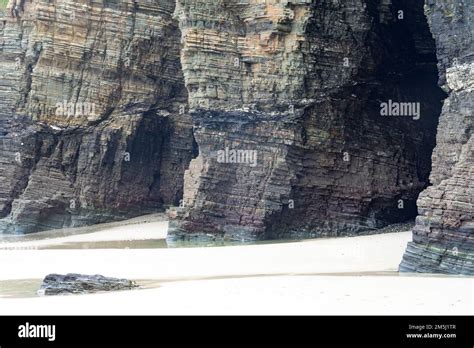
(56,284)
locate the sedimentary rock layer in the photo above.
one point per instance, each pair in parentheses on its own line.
(443,238)
(285,99)
(293,89)
(93,117)
(57,284)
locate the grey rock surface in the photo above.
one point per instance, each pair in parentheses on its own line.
(93,118)
(299,85)
(254,119)
(56,284)
(443,238)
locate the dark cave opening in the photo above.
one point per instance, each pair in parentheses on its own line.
(393,152)
(413,78)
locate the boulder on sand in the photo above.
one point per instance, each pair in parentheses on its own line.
(56,284)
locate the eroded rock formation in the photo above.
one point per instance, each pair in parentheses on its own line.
(299,86)
(443,238)
(100,103)
(57,284)
(93,123)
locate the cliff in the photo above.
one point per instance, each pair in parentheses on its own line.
(443,238)
(254,119)
(93,115)
(295,88)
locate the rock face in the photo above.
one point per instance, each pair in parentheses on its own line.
(56,284)
(286,98)
(93,118)
(443,238)
(261,119)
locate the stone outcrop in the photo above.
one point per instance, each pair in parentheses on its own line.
(257,119)
(56,284)
(93,117)
(293,89)
(443,238)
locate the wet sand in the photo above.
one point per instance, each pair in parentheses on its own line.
(356,275)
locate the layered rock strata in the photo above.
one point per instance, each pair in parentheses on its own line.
(93,116)
(286,101)
(57,284)
(443,238)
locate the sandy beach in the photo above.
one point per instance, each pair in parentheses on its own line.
(356,275)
